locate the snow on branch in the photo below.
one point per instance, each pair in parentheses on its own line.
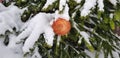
(84,34)
(89,4)
(49,2)
(62,4)
(100,5)
(35,27)
(2,7)
(10,17)
(36,53)
(114,2)
(78,1)
(65,11)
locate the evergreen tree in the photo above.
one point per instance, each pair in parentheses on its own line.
(94,33)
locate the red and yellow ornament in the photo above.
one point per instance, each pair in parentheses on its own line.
(61,26)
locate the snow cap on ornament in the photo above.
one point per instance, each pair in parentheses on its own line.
(64,14)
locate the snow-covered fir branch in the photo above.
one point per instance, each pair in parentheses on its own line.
(37,25)
(89,4)
(10,18)
(48,3)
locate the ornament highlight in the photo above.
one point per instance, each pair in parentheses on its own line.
(61,26)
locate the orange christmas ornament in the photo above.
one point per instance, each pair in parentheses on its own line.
(61,26)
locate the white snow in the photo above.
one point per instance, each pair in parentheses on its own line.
(85,36)
(78,1)
(32,29)
(2,7)
(115,54)
(37,25)
(62,4)
(101,54)
(89,4)
(6,52)
(49,2)
(91,54)
(49,35)
(80,40)
(114,2)
(111,15)
(64,15)
(100,5)
(36,53)
(10,18)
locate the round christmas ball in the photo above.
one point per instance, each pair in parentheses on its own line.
(61,26)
